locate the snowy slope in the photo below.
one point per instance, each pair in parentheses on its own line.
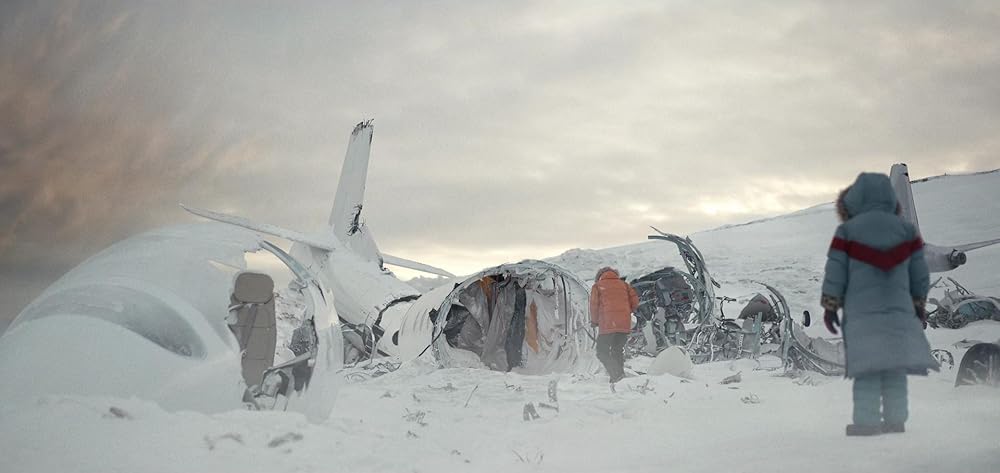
(423,419)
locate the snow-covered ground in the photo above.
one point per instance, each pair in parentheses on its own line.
(419,418)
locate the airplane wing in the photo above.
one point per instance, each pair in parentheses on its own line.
(397,261)
(977,245)
(328,244)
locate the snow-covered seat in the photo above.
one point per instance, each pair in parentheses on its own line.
(251,319)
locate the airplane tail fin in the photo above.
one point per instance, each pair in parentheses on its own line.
(345,218)
(346,226)
(939,258)
(899,176)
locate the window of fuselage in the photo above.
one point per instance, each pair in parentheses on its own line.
(131,309)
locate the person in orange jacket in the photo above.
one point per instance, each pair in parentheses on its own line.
(612,302)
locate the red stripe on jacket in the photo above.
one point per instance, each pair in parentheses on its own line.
(881,259)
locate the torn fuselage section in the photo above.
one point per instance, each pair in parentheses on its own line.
(702,286)
(530,317)
(676,308)
(666,305)
(365,340)
(960,306)
(314,345)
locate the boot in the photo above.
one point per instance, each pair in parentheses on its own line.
(888,428)
(854,430)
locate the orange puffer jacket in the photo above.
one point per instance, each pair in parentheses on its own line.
(612,302)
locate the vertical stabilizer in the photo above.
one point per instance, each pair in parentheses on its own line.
(346,222)
(346,214)
(899,175)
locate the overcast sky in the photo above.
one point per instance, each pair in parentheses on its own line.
(503,130)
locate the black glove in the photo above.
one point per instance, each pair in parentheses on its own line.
(830,319)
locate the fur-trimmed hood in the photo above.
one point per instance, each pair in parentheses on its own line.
(870,191)
(841,208)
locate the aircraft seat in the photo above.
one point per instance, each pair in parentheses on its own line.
(252,322)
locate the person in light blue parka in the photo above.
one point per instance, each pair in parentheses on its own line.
(876,273)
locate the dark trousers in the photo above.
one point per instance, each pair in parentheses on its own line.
(611,352)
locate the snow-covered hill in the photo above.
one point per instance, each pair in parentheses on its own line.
(419,418)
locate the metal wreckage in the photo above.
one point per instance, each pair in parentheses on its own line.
(956,309)
(960,306)
(677,308)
